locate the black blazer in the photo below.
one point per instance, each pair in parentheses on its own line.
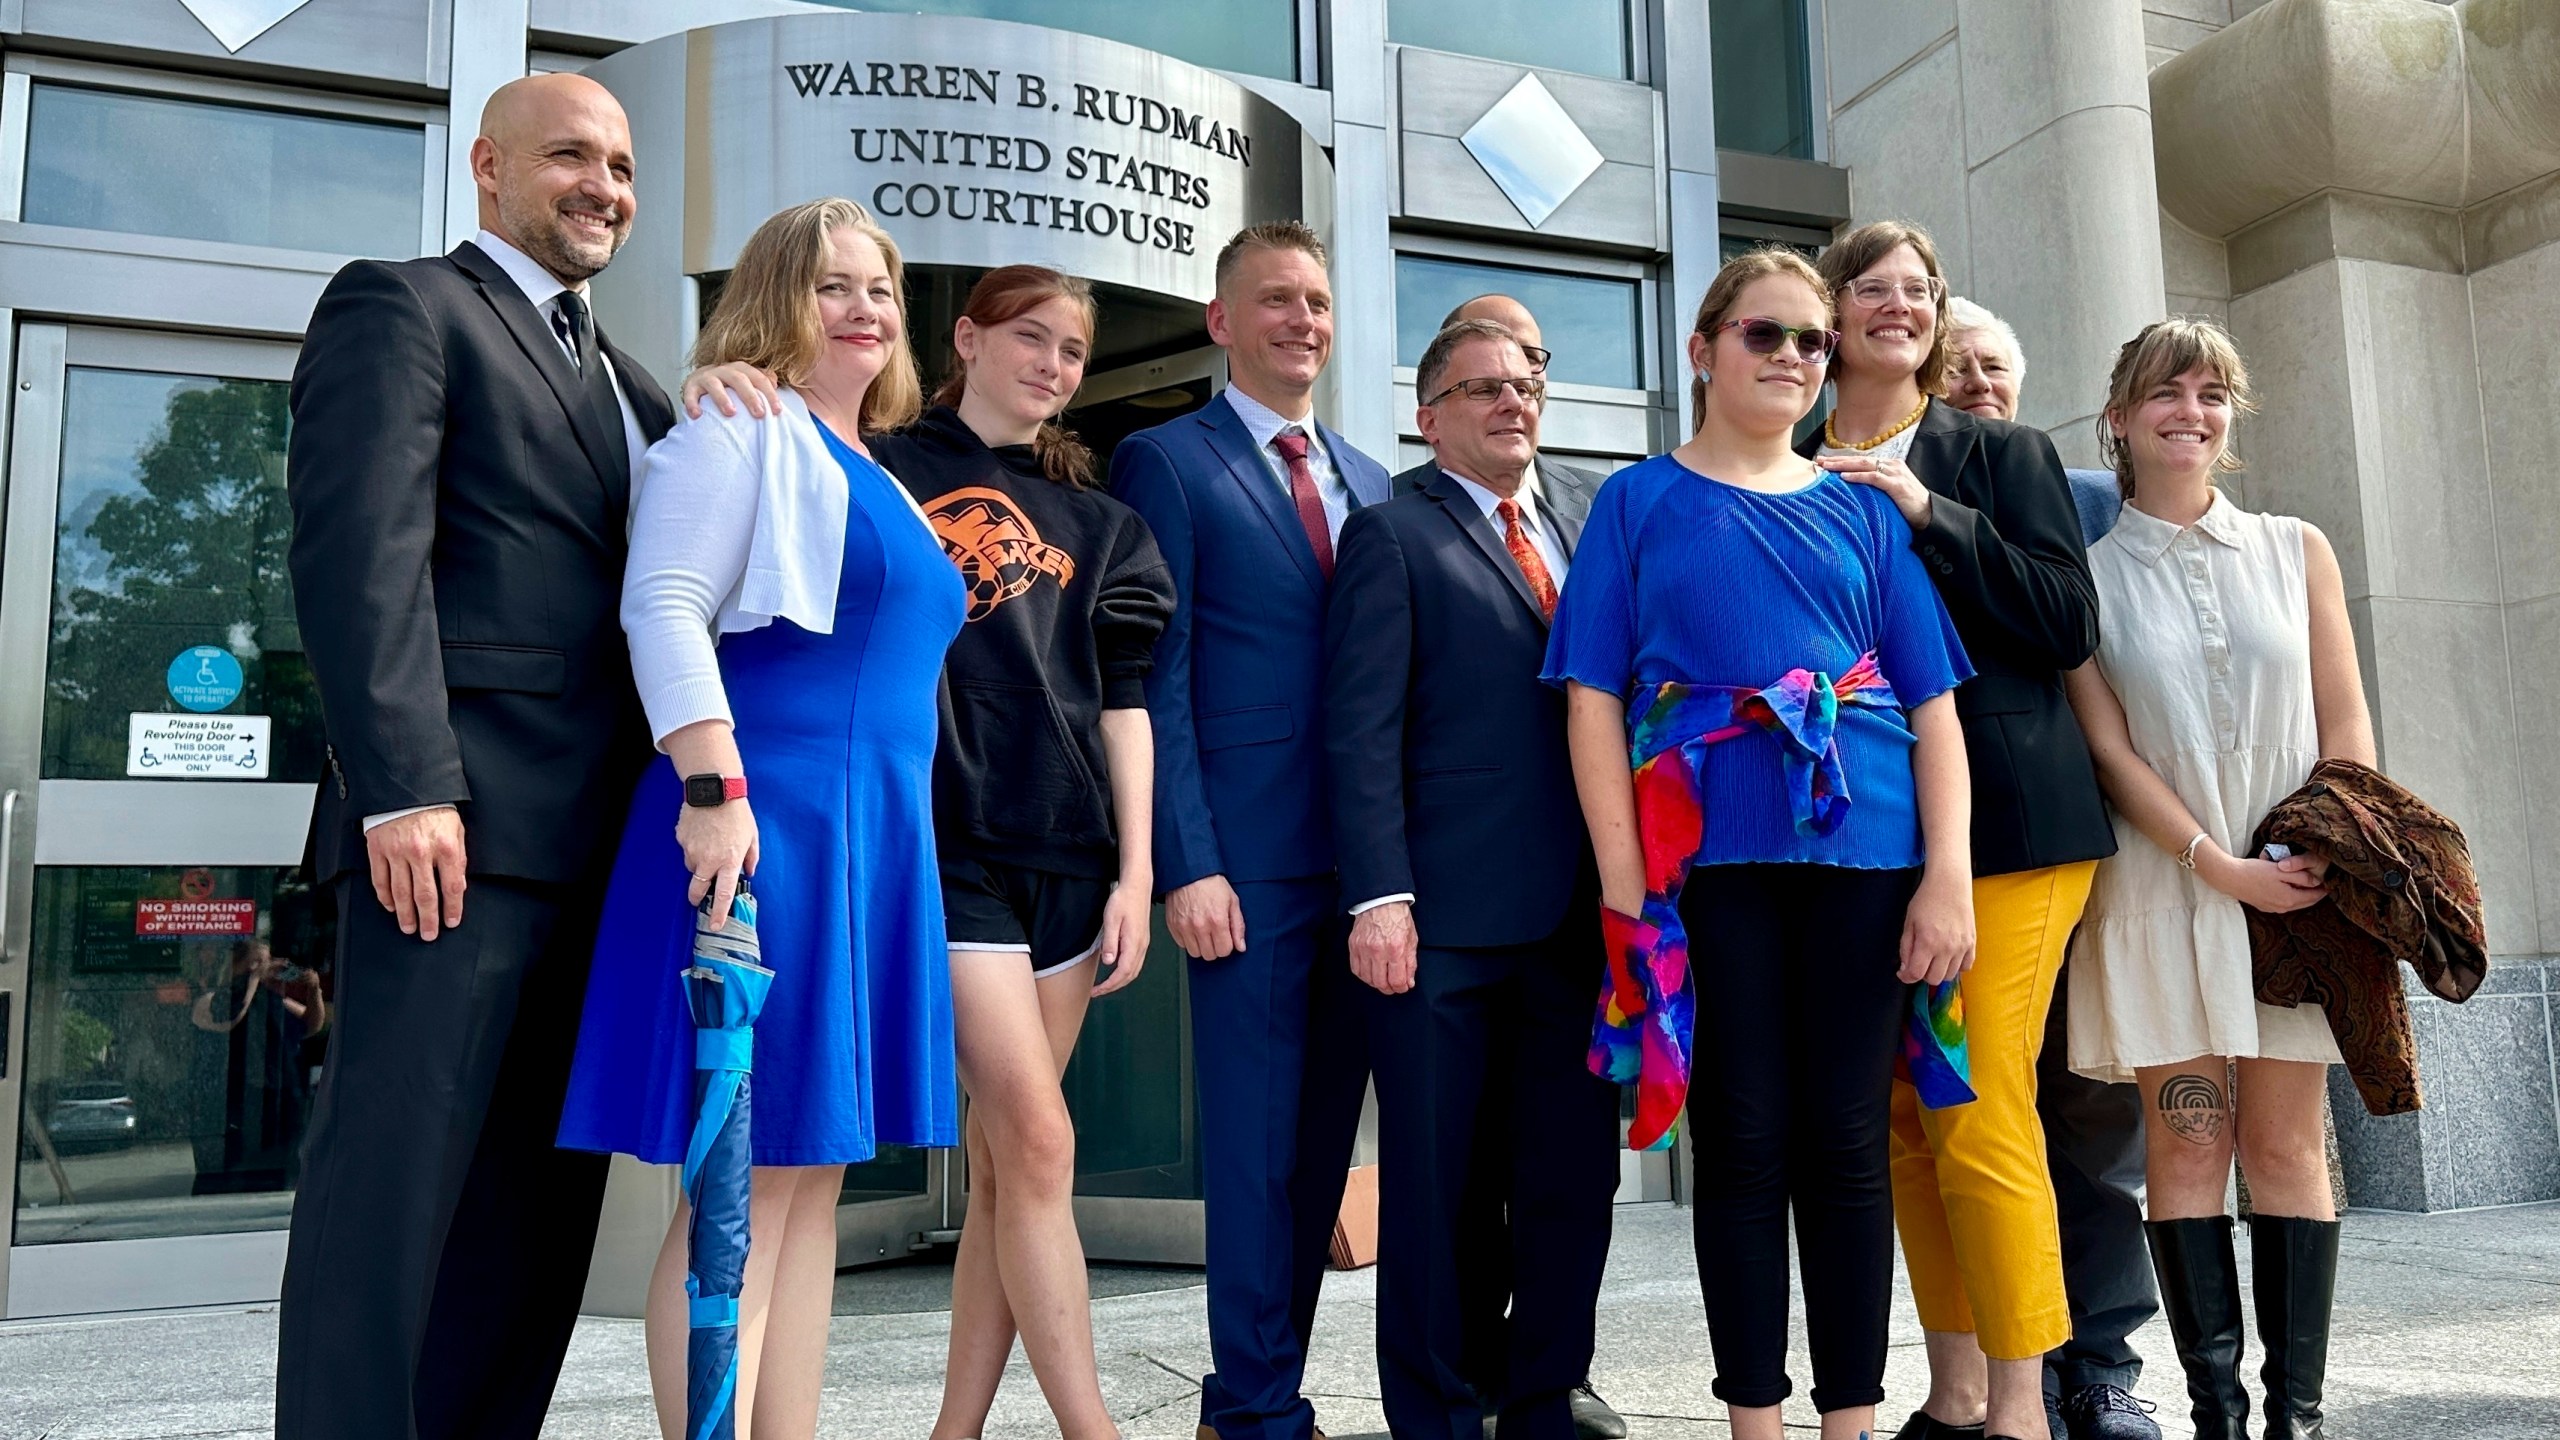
(458,542)
(2003,544)
(1449,771)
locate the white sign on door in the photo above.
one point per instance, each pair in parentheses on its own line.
(197,747)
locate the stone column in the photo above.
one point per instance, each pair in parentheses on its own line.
(2018,133)
(487,51)
(1684,70)
(1359,387)
(2376,179)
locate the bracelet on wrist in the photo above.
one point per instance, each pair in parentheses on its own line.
(2187,857)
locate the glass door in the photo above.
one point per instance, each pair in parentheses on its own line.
(162,740)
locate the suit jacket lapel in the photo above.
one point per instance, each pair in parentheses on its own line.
(1234,444)
(1365,488)
(1568,502)
(649,411)
(543,348)
(1938,451)
(649,404)
(1461,509)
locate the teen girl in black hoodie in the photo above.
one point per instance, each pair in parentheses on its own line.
(1041,807)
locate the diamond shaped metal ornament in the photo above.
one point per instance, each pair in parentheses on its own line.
(237,22)
(1535,153)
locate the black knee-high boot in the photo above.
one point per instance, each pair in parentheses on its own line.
(2293,1268)
(2200,1292)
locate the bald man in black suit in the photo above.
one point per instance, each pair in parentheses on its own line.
(460,471)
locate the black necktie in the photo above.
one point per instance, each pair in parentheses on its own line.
(603,406)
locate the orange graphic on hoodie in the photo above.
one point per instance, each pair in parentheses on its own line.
(999,554)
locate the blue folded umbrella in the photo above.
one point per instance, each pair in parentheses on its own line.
(724,989)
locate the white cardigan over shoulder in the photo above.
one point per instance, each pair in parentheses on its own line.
(735,523)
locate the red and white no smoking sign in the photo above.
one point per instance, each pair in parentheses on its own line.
(169,919)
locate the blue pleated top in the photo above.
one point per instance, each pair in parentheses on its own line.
(1682,577)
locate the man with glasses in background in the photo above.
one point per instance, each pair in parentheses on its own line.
(1513,316)
(1486,1283)
(1474,899)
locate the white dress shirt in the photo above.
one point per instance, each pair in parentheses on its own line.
(1265,423)
(1534,520)
(544,289)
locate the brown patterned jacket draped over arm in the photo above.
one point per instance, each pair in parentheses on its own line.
(2401,887)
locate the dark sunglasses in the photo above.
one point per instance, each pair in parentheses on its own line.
(1538,357)
(1763,337)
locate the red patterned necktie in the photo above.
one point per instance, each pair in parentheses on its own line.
(1515,539)
(1292,445)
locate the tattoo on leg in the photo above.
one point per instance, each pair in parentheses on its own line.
(2191,1106)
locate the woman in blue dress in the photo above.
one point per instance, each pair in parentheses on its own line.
(1759,634)
(830,604)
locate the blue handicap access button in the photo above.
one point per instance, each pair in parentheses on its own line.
(205,678)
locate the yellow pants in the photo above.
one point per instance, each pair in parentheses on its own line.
(1971,1193)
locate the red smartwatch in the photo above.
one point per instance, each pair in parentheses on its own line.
(710,792)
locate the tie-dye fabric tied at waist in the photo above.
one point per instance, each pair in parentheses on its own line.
(1648,1011)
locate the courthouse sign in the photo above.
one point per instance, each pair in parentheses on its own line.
(976,142)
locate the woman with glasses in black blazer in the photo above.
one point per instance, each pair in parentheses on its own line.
(1991,518)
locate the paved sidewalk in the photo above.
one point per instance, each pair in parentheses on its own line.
(2449,1326)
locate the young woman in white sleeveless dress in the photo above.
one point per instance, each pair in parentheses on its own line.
(2225,669)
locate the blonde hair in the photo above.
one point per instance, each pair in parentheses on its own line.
(768,311)
(1860,251)
(1268,235)
(1725,291)
(2165,350)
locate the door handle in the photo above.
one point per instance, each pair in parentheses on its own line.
(8,869)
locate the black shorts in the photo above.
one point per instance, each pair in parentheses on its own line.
(1053,920)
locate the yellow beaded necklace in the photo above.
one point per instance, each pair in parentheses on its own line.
(1831,437)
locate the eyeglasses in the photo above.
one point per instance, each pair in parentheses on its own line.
(1538,358)
(1872,291)
(1762,336)
(1488,390)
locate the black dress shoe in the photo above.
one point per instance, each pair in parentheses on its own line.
(2103,1412)
(1924,1426)
(1592,1417)
(2054,1424)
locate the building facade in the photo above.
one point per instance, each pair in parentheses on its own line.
(179,178)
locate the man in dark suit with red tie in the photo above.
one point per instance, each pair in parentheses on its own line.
(463,447)
(1469,879)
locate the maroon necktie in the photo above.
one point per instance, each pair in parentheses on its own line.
(1292,445)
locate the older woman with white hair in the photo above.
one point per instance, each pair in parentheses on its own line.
(2092,1130)
(1989,369)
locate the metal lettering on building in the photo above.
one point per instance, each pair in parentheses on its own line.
(974,142)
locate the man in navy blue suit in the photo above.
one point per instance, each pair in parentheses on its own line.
(1246,497)
(1476,905)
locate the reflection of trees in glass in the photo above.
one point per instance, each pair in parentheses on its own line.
(85,1043)
(192,552)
